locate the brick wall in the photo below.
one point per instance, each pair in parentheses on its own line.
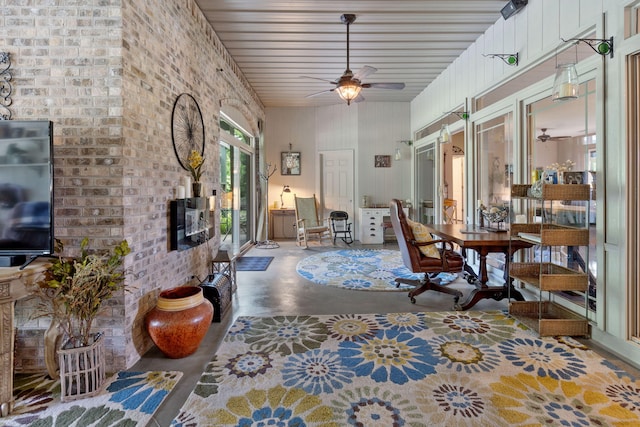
(107,74)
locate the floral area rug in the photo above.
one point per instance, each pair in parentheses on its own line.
(360,269)
(126,399)
(406,369)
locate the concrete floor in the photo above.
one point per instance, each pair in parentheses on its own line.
(281,291)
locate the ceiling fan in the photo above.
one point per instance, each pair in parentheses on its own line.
(544,137)
(349,84)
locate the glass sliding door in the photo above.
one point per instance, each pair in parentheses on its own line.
(245,224)
(425,184)
(226,198)
(237,199)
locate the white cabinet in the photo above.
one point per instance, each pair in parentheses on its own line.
(370,224)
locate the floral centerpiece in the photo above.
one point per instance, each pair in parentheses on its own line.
(195,163)
(73,289)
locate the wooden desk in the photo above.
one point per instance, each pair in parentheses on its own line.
(483,243)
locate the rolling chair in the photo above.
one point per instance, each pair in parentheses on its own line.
(440,259)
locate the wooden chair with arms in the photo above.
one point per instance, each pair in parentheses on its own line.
(450,211)
(308,222)
(413,258)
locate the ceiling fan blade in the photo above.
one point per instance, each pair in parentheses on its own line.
(318,78)
(358,98)
(396,86)
(319,93)
(364,72)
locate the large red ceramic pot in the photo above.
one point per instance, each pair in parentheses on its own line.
(179,321)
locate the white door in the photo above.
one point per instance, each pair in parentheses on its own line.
(336,170)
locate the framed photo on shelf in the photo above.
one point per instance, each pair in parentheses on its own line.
(382,161)
(290,163)
(574,177)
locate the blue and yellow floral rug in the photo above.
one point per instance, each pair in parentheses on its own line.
(126,399)
(360,269)
(406,369)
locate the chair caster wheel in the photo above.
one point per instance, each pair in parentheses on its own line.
(413,300)
(471,280)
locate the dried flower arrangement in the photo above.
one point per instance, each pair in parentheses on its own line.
(73,290)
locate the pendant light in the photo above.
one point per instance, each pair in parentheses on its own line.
(445,134)
(566,85)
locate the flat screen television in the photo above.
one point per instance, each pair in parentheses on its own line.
(26,191)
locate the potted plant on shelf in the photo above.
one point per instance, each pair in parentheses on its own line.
(196,161)
(72,292)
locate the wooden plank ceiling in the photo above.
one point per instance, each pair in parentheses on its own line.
(276,42)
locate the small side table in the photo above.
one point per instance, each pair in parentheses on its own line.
(222,264)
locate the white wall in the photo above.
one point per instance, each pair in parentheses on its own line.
(368,128)
(535,33)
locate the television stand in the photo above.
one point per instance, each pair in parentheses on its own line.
(31,259)
(12,260)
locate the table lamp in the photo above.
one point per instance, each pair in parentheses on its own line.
(285,189)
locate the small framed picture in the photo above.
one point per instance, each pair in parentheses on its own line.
(574,177)
(290,163)
(382,161)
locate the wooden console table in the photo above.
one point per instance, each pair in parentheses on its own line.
(483,242)
(13,286)
(282,223)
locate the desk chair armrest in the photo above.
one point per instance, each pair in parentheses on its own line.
(447,245)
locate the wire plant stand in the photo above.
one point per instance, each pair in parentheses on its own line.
(268,243)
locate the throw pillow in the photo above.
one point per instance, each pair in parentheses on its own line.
(422,235)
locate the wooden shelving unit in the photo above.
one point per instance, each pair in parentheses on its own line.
(543,269)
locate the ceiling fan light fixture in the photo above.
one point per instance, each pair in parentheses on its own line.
(348,90)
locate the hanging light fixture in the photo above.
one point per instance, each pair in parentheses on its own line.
(348,89)
(566,85)
(445,134)
(398,153)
